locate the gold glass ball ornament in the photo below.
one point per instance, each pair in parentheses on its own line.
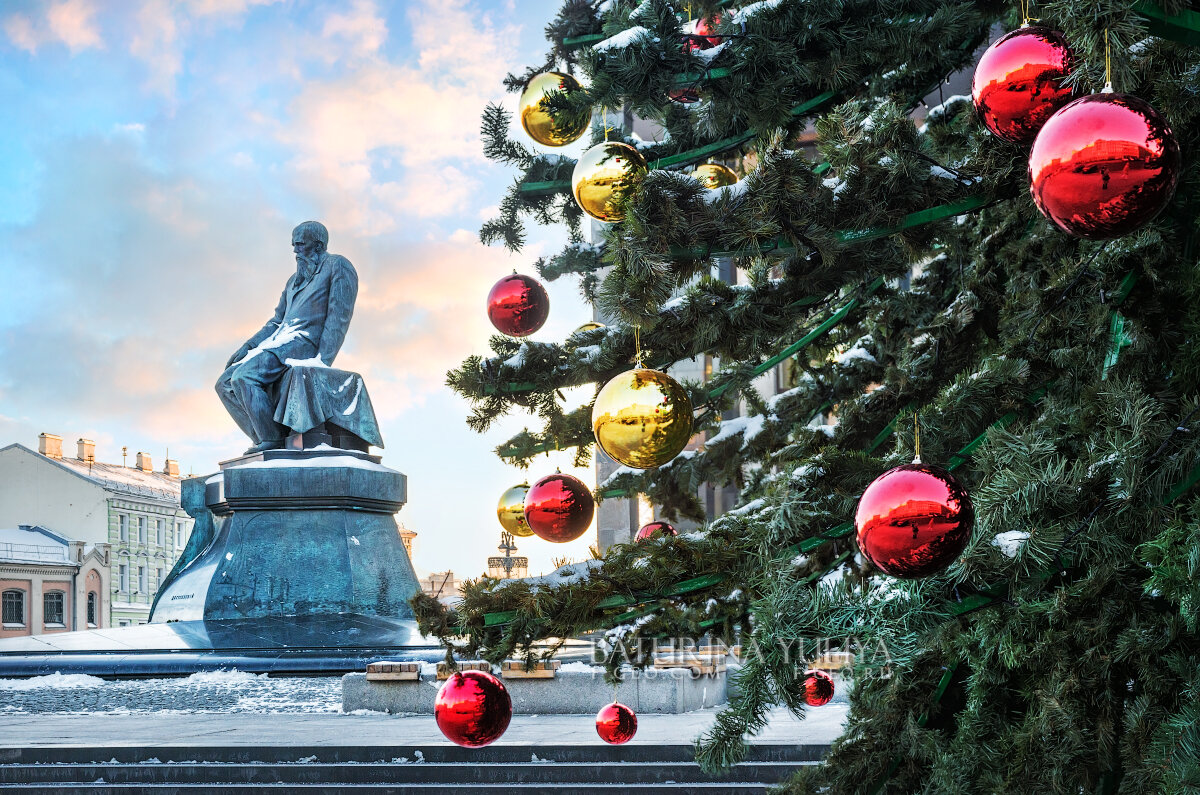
(603,176)
(537,121)
(511,511)
(642,418)
(715,175)
(591,325)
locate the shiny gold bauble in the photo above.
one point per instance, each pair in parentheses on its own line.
(642,418)
(603,176)
(537,121)
(589,326)
(715,175)
(511,511)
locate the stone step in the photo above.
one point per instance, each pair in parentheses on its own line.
(398,774)
(501,752)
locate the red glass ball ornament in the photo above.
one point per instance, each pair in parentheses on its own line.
(684,95)
(472,708)
(616,723)
(818,688)
(559,508)
(914,520)
(1018,82)
(703,35)
(655,527)
(518,305)
(1104,165)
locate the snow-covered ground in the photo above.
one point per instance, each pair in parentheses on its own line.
(210,691)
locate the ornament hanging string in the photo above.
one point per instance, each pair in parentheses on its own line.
(1108,89)
(637,345)
(916,438)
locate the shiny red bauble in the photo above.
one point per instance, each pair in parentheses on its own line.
(1018,82)
(559,508)
(616,723)
(655,527)
(518,305)
(704,35)
(914,520)
(818,688)
(1103,166)
(472,708)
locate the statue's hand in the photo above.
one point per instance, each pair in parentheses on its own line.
(237,357)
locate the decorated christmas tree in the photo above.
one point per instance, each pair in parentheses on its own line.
(978,475)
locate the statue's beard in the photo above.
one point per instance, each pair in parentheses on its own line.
(306,263)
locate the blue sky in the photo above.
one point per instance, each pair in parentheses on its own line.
(156,156)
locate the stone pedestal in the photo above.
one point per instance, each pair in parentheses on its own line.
(574,690)
(295,533)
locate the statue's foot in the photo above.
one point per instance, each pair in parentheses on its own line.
(269,444)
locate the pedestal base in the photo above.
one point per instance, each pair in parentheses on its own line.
(295,533)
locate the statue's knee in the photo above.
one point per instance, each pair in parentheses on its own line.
(244,377)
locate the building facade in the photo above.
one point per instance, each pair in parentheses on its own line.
(50,584)
(441,585)
(134,510)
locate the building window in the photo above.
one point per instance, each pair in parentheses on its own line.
(123,577)
(158,578)
(179,535)
(92,608)
(159,529)
(142,586)
(141,530)
(13,608)
(124,622)
(53,603)
(123,525)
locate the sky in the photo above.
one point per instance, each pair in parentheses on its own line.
(156,156)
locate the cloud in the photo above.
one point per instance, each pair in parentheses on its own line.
(69,22)
(362,27)
(227,8)
(422,118)
(155,41)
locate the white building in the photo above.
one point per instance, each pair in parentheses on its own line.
(50,584)
(133,509)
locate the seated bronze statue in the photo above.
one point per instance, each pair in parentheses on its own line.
(307,330)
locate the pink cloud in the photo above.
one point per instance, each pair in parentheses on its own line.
(69,22)
(361,26)
(423,118)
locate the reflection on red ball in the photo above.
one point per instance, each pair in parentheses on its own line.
(914,520)
(818,688)
(685,95)
(616,723)
(1018,82)
(655,527)
(472,708)
(559,508)
(518,305)
(1103,166)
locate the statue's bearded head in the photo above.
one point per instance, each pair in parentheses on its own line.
(309,239)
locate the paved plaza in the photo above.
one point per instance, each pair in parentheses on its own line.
(234,708)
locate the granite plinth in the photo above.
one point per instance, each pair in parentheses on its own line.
(572,691)
(295,533)
(273,644)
